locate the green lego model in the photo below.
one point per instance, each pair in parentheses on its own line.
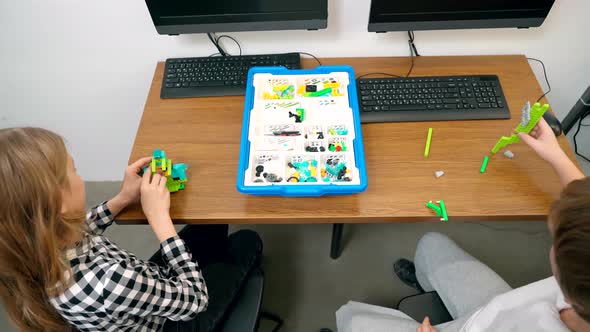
(175,173)
(440,211)
(529,121)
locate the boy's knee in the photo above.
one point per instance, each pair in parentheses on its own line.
(432,241)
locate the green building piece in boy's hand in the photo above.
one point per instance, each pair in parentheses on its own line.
(527,124)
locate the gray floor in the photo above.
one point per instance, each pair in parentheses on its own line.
(306,287)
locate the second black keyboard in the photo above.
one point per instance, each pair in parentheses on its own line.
(431,98)
(217,76)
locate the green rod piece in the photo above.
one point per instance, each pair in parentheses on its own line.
(428,139)
(445,217)
(484,164)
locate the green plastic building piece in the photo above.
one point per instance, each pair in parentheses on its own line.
(175,173)
(440,211)
(427,148)
(536,114)
(484,164)
(445,217)
(320,93)
(299,115)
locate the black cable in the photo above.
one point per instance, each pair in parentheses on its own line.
(546,79)
(412,51)
(412,58)
(214,41)
(411,38)
(313,56)
(232,38)
(576,135)
(386,74)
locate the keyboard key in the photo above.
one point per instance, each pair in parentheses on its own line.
(483,105)
(215,82)
(407,107)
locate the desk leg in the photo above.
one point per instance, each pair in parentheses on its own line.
(336,240)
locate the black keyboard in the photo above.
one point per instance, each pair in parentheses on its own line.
(217,76)
(432,98)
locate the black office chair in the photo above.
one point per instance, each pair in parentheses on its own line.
(425,304)
(245,315)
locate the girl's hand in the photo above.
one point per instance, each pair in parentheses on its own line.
(425,326)
(543,141)
(132,181)
(155,201)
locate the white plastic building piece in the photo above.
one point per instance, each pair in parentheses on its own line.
(438,174)
(509,154)
(526,114)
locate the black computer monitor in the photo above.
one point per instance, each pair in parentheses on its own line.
(172,17)
(404,15)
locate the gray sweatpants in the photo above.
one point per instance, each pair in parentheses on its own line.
(463,283)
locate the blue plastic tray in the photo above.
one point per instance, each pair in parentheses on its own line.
(304,189)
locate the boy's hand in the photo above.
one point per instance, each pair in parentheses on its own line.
(543,141)
(155,201)
(425,326)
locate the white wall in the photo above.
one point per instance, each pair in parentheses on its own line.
(83,68)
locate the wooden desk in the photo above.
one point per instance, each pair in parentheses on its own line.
(205,133)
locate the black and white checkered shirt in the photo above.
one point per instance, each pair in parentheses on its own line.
(113,290)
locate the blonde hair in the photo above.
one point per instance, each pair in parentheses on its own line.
(33,172)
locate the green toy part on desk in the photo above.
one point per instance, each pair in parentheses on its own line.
(536,113)
(440,211)
(484,164)
(428,139)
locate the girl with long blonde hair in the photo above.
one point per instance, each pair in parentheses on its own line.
(59,273)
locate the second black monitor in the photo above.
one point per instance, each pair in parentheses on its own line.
(404,15)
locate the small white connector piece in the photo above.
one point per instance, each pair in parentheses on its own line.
(508,154)
(438,174)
